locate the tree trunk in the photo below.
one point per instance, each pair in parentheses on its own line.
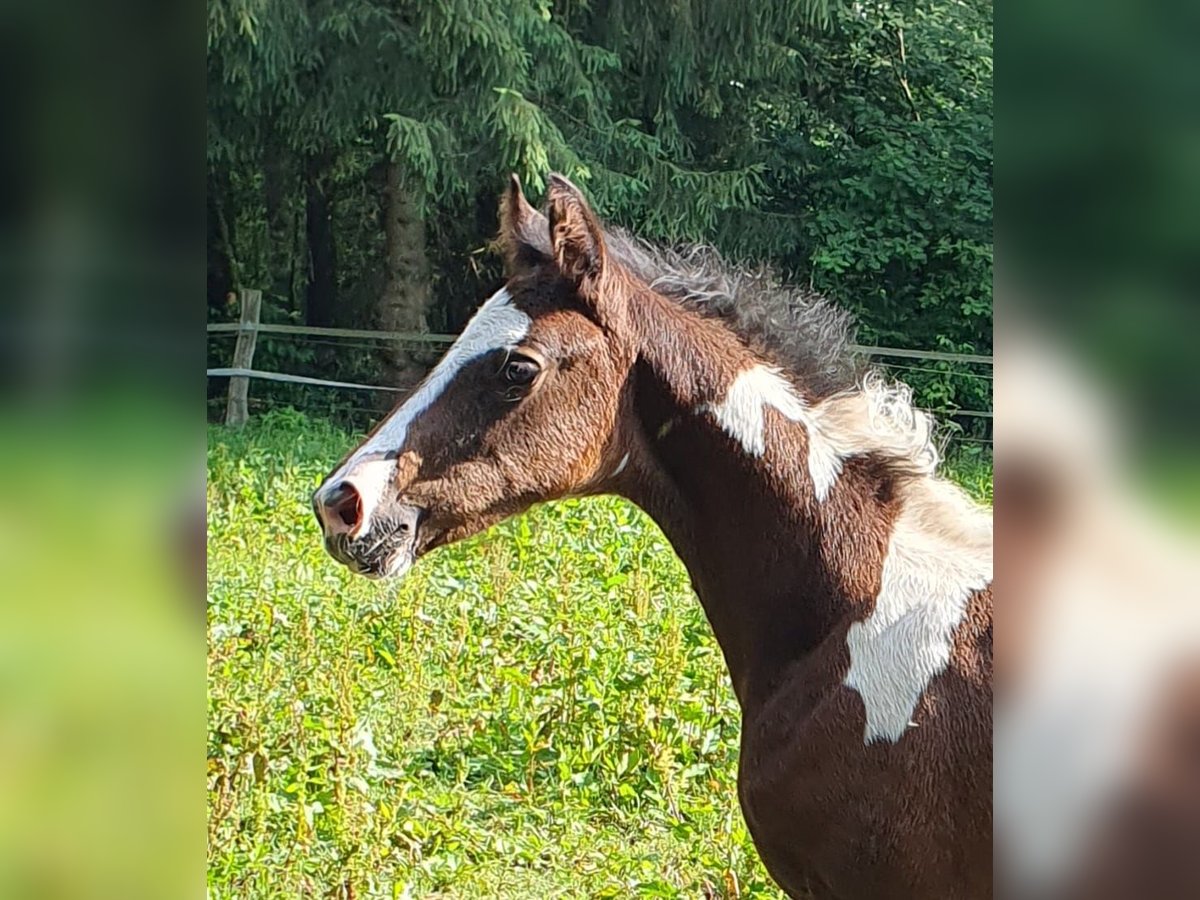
(321,296)
(404,301)
(221,264)
(222,267)
(278,181)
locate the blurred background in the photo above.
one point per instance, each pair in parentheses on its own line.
(101,460)
(1097,710)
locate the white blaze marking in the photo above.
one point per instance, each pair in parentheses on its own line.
(929,575)
(497,325)
(742,414)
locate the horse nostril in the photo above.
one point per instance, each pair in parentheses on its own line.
(341,509)
(347,505)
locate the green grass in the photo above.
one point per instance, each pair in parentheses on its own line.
(538,712)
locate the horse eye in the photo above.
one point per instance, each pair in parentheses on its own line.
(520,370)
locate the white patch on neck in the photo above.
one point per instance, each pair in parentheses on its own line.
(939,555)
(742,414)
(876,417)
(497,325)
(940,550)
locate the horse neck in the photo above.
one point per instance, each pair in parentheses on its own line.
(776,569)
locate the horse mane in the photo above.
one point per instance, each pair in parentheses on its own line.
(794,327)
(804,334)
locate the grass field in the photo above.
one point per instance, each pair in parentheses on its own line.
(539,712)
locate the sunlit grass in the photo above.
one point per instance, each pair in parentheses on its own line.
(538,712)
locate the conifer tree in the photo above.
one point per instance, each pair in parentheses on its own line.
(356,147)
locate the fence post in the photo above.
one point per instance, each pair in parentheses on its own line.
(243,357)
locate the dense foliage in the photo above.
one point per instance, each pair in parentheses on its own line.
(356,148)
(539,712)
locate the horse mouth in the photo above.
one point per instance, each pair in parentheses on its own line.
(388,550)
(396,565)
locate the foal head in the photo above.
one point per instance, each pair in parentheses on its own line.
(524,407)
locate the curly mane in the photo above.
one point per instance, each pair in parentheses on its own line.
(801,332)
(795,327)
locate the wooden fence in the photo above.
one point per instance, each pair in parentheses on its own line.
(249,327)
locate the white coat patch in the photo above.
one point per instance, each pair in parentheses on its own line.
(939,555)
(620,466)
(742,414)
(940,550)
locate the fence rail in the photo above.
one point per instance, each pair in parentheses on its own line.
(297,379)
(429,338)
(249,327)
(269,328)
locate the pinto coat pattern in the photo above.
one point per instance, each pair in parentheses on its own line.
(848,585)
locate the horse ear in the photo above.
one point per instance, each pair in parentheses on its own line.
(524,232)
(576,238)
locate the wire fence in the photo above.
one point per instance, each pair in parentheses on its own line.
(934,375)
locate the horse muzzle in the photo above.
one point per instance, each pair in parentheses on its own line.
(388,544)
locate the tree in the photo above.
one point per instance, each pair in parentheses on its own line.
(375,134)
